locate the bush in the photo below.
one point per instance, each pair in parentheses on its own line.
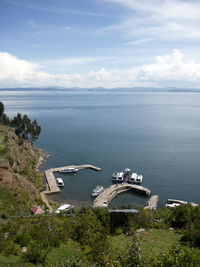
(89,230)
(183,215)
(8,247)
(141,219)
(177,257)
(35,254)
(4,215)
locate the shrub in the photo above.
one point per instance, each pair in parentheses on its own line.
(35,254)
(141,219)
(182,216)
(89,230)
(177,257)
(8,247)
(4,215)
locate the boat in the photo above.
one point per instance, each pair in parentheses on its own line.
(97,191)
(136,178)
(172,205)
(68,170)
(139,178)
(127,173)
(115,176)
(60,182)
(63,208)
(120,177)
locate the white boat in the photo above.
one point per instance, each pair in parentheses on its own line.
(68,170)
(136,178)
(172,205)
(97,191)
(64,207)
(127,173)
(60,182)
(115,176)
(118,177)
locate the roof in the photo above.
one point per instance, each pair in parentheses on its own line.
(37,210)
(125,211)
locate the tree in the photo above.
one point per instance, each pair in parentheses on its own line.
(1,109)
(22,125)
(5,119)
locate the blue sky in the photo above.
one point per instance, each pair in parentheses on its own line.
(91,43)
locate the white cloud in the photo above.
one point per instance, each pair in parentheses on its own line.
(71,62)
(139,41)
(47,27)
(176,9)
(171,20)
(173,67)
(53,9)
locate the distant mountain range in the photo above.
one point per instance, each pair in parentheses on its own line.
(125,89)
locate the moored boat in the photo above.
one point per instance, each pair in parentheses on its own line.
(60,182)
(118,177)
(136,178)
(63,208)
(97,190)
(68,170)
(127,174)
(115,176)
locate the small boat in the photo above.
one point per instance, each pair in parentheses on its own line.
(127,173)
(68,170)
(60,182)
(120,177)
(64,207)
(115,176)
(136,178)
(139,178)
(97,191)
(172,205)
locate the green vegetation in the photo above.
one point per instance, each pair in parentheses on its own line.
(20,182)
(23,126)
(84,239)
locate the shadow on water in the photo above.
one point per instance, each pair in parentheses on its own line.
(129,199)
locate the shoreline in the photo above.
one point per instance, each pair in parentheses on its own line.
(42,158)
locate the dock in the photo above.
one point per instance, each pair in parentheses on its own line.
(108,194)
(152,203)
(51,180)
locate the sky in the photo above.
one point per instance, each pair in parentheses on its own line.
(100,43)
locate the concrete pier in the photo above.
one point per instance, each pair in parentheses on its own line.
(51,180)
(152,202)
(108,194)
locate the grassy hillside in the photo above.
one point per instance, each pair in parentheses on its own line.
(84,239)
(20,182)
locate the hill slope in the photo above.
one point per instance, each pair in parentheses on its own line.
(20,182)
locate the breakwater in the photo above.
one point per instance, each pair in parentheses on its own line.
(108,194)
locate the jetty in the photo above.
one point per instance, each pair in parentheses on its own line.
(108,194)
(51,180)
(152,203)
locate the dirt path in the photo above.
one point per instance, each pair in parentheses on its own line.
(45,200)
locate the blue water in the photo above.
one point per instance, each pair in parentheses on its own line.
(153,133)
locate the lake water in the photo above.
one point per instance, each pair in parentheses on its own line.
(153,133)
